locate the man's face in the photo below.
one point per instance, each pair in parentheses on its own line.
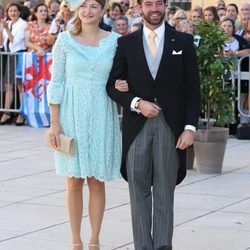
(121,27)
(153,12)
(245,11)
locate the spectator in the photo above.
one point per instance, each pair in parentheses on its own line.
(25,13)
(37,31)
(121,24)
(245,21)
(2,12)
(12,38)
(232,11)
(125,6)
(53,6)
(196,15)
(170,11)
(210,14)
(136,24)
(187,26)
(62,22)
(221,12)
(178,16)
(236,46)
(130,12)
(113,12)
(221,4)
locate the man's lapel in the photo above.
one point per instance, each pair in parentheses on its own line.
(169,41)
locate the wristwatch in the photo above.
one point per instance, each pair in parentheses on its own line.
(137,104)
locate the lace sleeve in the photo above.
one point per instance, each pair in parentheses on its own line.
(56,85)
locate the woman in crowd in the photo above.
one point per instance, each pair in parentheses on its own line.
(210,14)
(113,12)
(236,46)
(37,31)
(81,108)
(62,22)
(178,17)
(232,11)
(53,7)
(12,38)
(196,15)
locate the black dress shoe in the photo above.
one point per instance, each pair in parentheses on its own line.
(7,121)
(20,123)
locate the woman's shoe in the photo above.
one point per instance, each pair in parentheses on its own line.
(18,122)
(7,120)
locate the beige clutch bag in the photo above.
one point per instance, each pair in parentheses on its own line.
(67,143)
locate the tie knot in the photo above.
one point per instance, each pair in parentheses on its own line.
(152,35)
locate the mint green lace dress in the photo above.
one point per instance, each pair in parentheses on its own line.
(87,114)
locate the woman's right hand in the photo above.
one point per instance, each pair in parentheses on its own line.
(54,131)
(121,85)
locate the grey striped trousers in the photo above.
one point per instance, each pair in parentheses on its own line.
(152,156)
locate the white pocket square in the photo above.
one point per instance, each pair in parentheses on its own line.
(177,52)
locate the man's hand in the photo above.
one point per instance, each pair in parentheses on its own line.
(148,109)
(185,140)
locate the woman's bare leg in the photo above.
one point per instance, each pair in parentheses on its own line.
(75,210)
(96,210)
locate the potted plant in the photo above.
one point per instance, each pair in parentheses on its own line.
(217,98)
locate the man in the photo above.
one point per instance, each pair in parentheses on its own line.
(121,24)
(244,20)
(161,111)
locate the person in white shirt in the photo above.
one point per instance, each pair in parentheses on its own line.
(62,22)
(12,40)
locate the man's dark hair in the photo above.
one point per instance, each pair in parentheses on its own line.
(140,1)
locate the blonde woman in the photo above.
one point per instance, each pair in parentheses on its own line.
(178,17)
(62,22)
(80,108)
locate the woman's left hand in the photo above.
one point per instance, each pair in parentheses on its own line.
(121,85)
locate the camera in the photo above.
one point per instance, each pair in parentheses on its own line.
(61,21)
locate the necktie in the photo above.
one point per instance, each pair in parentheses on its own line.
(152,45)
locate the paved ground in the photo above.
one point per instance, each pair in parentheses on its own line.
(212,212)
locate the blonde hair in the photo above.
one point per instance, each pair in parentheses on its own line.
(76,25)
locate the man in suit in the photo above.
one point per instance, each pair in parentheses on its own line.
(161,111)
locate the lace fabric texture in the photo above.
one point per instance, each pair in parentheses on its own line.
(87,114)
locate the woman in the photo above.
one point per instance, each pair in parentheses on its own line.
(236,46)
(62,22)
(210,14)
(232,12)
(178,17)
(12,38)
(80,108)
(113,12)
(196,15)
(37,31)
